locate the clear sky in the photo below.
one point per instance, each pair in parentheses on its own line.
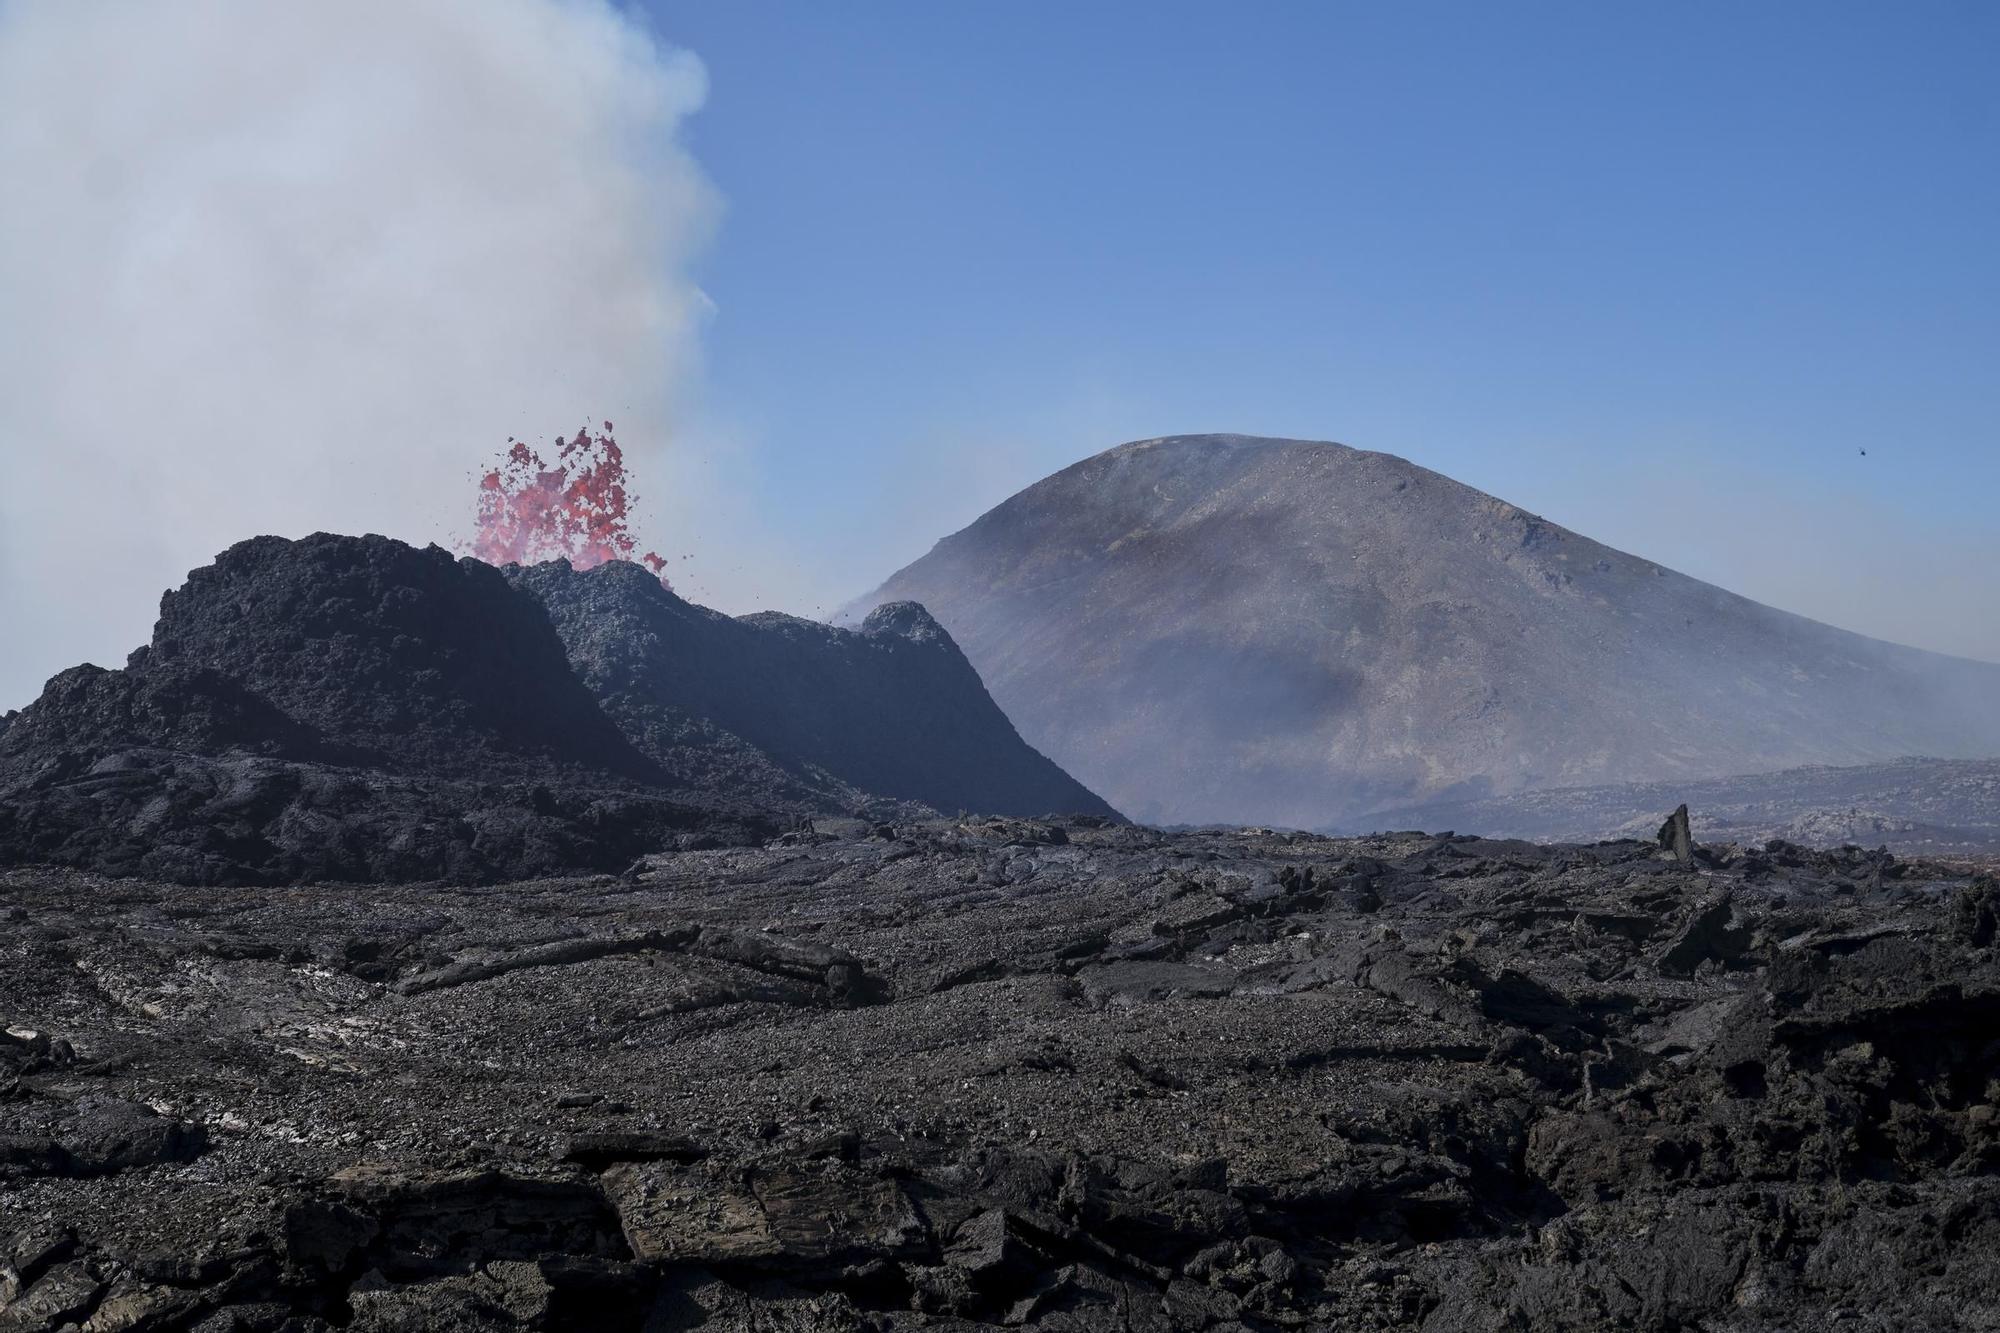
(1659,271)
(848,274)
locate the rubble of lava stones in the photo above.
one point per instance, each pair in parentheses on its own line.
(1061,1074)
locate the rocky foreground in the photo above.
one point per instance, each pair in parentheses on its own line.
(1008,1073)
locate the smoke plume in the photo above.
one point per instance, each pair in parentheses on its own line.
(280,268)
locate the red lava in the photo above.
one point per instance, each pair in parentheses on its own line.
(577,507)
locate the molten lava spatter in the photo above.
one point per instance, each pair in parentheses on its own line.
(576,509)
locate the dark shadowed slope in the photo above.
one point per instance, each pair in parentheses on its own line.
(413,659)
(354,708)
(1278,631)
(343,708)
(894,709)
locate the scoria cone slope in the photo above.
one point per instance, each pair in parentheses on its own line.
(353,708)
(1225,628)
(892,711)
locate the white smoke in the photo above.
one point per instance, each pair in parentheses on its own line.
(287,267)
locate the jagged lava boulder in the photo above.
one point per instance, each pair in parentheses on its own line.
(892,709)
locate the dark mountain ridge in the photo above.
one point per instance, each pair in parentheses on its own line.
(893,708)
(1233,629)
(354,708)
(402,659)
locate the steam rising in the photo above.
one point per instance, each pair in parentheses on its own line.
(279,268)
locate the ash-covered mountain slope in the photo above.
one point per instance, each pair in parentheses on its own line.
(353,708)
(891,710)
(1224,628)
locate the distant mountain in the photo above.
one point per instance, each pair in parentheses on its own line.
(1914,807)
(1231,629)
(353,708)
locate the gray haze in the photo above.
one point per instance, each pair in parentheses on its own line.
(273,268)
(1915,807)
(1222,628)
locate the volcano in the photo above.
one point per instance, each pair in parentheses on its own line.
(354,708)
(817,717)
(1221,628)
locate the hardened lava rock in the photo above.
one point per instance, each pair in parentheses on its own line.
(1036,1074)
(355,709)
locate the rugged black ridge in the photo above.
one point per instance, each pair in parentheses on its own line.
(353,708)
(816,713)
(408,660)
(335,708)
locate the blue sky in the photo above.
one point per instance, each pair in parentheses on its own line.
(1659,272)
(848,274)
